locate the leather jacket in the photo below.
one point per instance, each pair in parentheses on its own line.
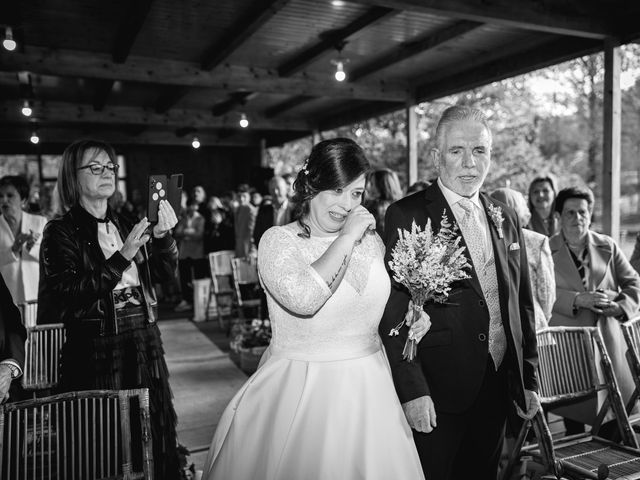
(76,280)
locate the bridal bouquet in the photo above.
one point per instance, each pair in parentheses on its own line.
(427,264)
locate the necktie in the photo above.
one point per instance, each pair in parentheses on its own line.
(484,265)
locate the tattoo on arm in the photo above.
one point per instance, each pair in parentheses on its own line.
(337,274)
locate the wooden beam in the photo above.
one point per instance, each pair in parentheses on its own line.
(169,97)
(286,105)
(129,29)
(125,115)
(547,17)
(410,49)
(236,99)
(229,78)
(611,133)
(254,18)
(331,39)
(101,91)
(476,75)
(349,116)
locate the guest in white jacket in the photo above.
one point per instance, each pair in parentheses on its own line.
(20,236)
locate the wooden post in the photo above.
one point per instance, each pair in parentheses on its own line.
(412,145)
(611,140)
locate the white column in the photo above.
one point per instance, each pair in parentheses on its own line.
(412,145)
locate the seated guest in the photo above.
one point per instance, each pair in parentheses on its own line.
(542,193)
(595,286)
(12,337)
(20,237)
(541,274)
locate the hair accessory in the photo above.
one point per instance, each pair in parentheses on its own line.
(304,167)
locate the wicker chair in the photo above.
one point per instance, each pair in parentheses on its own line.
(42,357)
(246,283)
(29,311)
(567,374)
(631,332)
(91,435)
(221,282)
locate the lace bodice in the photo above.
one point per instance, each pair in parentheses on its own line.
(307,319)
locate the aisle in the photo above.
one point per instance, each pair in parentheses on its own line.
(203,380)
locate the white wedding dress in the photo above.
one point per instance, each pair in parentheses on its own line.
(322,405)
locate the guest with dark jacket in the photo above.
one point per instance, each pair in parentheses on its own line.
(12,337)
(97,274)
(278,212)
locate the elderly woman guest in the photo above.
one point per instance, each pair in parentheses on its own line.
(595,286)
(322,404)
(543,284)
(20,236)
(542,193)
(97,277)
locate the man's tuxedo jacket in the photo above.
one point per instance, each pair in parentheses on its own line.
(452,356)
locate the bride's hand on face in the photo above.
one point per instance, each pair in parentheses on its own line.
(357,223)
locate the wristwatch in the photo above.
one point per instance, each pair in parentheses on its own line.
(15,371)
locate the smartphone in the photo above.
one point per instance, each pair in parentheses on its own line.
(163,188)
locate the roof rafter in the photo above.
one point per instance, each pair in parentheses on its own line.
(333,38)
(282,107)
(538,16)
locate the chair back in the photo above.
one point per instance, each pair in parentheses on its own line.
(245,279)
(86,435)
(221,270)
(568,373)
(29,312)
(631,333)
(42,356)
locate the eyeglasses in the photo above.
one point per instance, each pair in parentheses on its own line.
(97,169)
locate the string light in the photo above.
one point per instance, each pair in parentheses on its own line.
(244,121)
(340,73)
(35,139)
(195,143)
(26,109)
(9,43)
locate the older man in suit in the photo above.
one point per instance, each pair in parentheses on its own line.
(481,349)
(278,212)
(12,337)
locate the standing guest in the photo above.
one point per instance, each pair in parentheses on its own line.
(542,194)
(97,274)
(481,350)
(12,337)
(541,273)
(277,213)
(383,188)
(321,406)
(244,223)
(256,198)
(20,237)
(290,178)
(199,195)
(595,286)
(218,228)
(189,232)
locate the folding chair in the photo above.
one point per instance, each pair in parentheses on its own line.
(90,435)
(631,333)
(29,311)
(221,283)
(568,374)
(42,357)
(246,283)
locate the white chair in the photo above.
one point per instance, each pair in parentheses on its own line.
(221,284)
(42,357)
(29,312)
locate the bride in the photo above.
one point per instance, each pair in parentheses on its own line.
(322,405)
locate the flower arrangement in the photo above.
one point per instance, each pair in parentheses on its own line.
(427,264)
(255,334)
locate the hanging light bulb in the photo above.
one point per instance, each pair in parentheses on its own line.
(244,121)
(195,143)
(340,74)
(9,43)
(26,109)
(35,139)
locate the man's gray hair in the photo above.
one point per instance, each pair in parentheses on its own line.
(459,113)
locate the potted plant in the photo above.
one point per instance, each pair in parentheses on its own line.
(252,342)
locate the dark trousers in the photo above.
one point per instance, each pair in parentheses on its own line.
(191,268)
(467,445)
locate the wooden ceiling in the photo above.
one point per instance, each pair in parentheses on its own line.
(158,72)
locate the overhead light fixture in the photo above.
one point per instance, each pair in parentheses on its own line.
(9,43)
(339,62)
(244,121)
(195,143)
(35,139)
(26,108)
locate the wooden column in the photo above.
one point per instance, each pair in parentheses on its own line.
(412,145)
(611,141)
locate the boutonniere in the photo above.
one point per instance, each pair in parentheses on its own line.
(496,217)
